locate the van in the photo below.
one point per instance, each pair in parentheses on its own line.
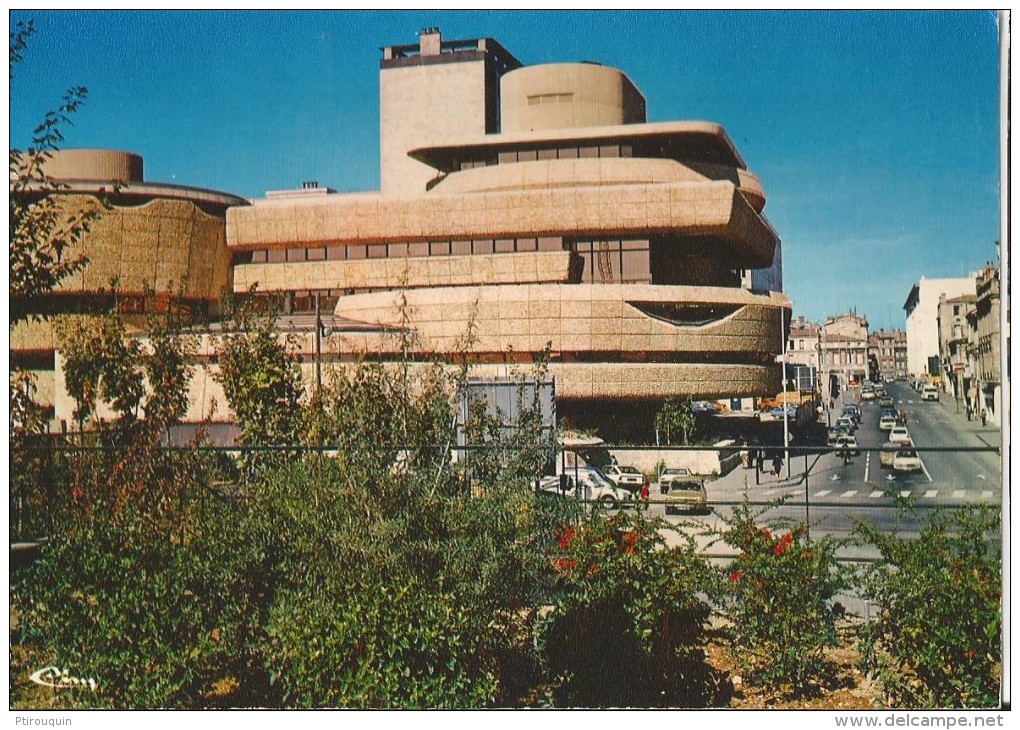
(929,392)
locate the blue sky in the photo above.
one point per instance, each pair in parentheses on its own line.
(875,135)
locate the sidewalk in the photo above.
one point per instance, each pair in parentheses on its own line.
(989,434)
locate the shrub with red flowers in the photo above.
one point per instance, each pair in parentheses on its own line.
(777,595)
(626,626)
(937,639)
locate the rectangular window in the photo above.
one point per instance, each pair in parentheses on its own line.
(481,247)
(377,251)
(316,254)
(258,257)
(568,153)
(461,248)
(527,244)
(626,150)
(527,156)
(417,249)
(504,245)
(276,255)
(335,253)
(397,251)
(295,254)
(547,154)
(612,150)
(507,157)
(356,252)
(588,152)
(439,248)
(550,243)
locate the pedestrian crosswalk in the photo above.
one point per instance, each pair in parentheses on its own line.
(969,495)
(964,495)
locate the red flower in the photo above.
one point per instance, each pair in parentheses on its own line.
(735,575)
(593,570)
(564,564)
(629,542)
(780,548)
(970,654)
(565,536)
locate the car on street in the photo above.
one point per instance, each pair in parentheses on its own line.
(627,477)
(848,444)
(852,412)
(669,475)
(686,495)
(900,435)
(887,423)
(887,454)
(846,423)
(835,434)
(886,401)
(907,460)
(587,483)
(868,394)
(880,390)
(929,392)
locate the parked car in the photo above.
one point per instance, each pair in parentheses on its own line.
(868,394)
(929,392)
(887,423)
(848,443)
(668,476)
(886,401)
(907,460)
(627,477)
(591,485)
(852,412)
(854,409)
(685,495)
(900,435)
(880,390)
(888,453)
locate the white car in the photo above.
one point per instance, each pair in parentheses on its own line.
(929,392)
(906,459)
(887,423)
(867,395)
(848,443)
(668,476)
(900,435)
(594,486)
(845,423)
(628,477)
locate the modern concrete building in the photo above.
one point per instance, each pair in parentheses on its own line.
(167,239)
(535,207)
(525,213)
(921,307)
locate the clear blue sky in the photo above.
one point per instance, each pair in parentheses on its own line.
(876,135)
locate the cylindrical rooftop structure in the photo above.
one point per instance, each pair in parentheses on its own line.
(568,95)
(95,164)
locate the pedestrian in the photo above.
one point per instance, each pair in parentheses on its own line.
(645,495)
(761,460)
(984,416)
(777,464)
(970,411)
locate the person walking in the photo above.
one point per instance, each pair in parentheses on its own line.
(984,416)
(777,464)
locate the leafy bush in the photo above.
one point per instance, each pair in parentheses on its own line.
(937,641)
(777,595)
(626,625)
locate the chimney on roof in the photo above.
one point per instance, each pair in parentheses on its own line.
(430,41)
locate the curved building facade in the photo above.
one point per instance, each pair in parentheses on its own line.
(622,248)
(166,239)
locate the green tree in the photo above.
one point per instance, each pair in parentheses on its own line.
(42,231)
(675,417)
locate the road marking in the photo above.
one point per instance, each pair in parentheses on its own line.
(876,494)
(930,494)
(867,466)
(834,478)
(958,494)
(890,477)
(904,493)
(925,470)
(987,494)
(847,495)
(823,493)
